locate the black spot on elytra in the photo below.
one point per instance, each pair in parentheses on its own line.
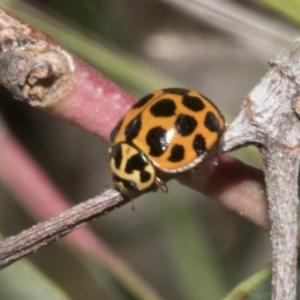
(116,154)
(156,139)
(199,145)
(211,122)
(128,184)
(145,176)
(193,103)
(177,91)
(115,131)
(138,162)
(177,153)
(143,101)
(163,108)
(185,125)
(133,128)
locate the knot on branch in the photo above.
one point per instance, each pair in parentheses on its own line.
(32,67)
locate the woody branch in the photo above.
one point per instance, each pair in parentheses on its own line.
(269,119)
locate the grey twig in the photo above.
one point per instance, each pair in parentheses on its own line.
(269,119)
(44,233)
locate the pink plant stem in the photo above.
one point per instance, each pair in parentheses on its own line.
(233,184)
(54,80)
(95,103)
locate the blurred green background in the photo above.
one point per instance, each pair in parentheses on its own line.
(183,245)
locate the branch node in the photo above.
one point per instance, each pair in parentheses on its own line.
(32,66)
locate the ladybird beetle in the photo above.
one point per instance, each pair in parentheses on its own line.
(169,131)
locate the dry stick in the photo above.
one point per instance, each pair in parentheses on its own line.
(40,235)
(269,119)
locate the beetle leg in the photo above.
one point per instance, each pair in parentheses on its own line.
(161,185)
